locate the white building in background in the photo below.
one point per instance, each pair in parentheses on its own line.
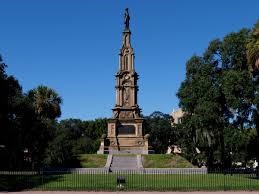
(176,119)
(177,116)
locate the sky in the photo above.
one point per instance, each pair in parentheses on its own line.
(72,46)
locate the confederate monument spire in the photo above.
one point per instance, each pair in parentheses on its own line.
(125,130)
(126,84)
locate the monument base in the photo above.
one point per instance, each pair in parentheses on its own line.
(130,145)
(124,136)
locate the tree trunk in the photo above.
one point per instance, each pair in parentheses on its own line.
(257,63)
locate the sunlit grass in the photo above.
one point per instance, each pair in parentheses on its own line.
(165,161)
(92,160)
(134,182)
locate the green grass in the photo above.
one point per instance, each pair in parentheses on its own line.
(152,182)
(149,161)
(92,160)
(135,182)
(58,181)
(165,161)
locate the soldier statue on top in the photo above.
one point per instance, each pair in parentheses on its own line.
(126,19)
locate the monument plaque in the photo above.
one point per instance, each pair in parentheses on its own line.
(126,129)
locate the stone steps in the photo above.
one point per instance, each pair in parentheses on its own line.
(124,163)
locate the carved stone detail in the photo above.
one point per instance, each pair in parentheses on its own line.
(140,142)
(126,115)
(113,142)
(115,114)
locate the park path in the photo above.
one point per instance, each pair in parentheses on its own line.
(152,192)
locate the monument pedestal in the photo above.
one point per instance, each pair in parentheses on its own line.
(125,136)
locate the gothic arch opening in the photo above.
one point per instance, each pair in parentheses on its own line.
(125,62)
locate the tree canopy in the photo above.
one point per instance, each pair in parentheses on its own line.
(218,97)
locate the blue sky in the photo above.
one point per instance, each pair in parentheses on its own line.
(72,46)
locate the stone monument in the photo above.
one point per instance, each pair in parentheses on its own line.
(125,129)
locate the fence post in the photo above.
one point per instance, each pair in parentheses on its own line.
(41,174)
(257,172)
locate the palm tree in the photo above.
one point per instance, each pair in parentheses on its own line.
(253,49)
(46,102)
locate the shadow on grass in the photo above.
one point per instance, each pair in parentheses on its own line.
(23,181)
(253,177)
(39,180)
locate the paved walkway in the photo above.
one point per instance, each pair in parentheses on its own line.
(79,192)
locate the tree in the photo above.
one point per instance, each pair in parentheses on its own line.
(253,49)
(94,129)
(253,61)
(2,68)
(74,137)
(162,134)
(27,122)
(216,95)
(60,151)
(200,98)
(46,102)
(11,97)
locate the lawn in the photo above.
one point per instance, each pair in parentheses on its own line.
(78,181)
(165,161)
(134,182)
(149,161)
(92,160)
